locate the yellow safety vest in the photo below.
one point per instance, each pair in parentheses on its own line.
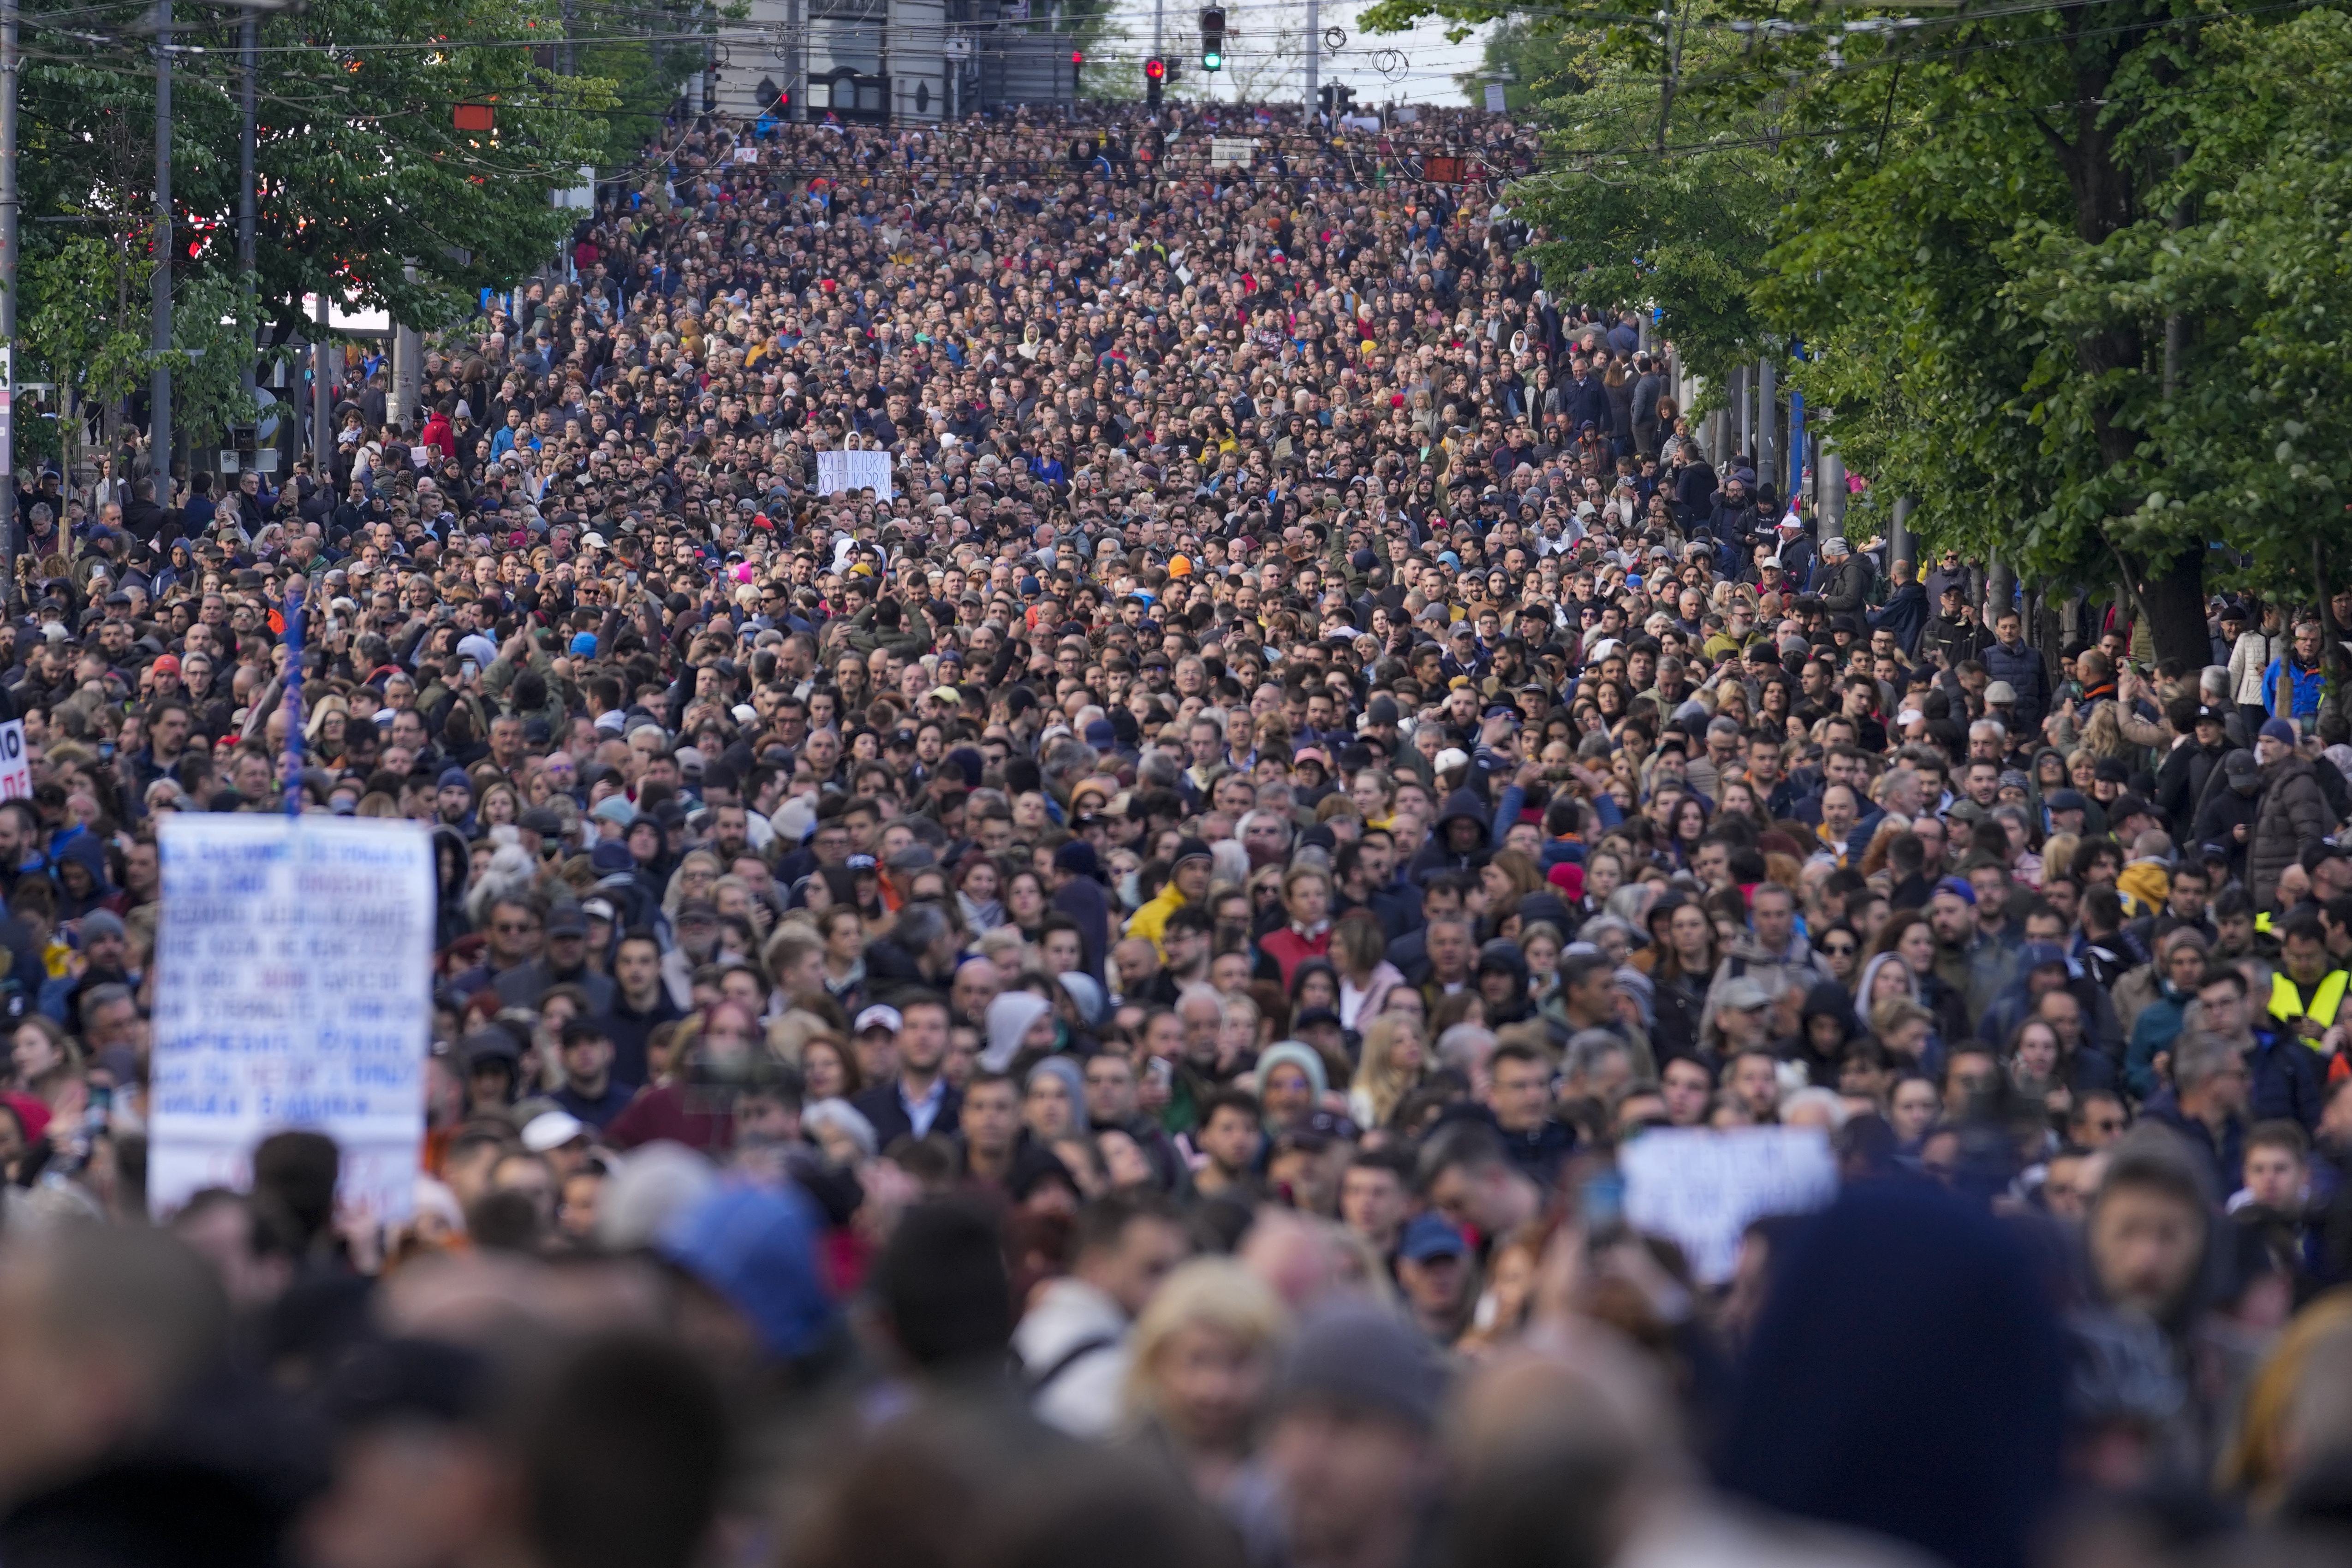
(2287,1002)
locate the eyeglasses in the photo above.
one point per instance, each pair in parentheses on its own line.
(515,928)
(1839,949)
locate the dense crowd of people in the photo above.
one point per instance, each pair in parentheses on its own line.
(1091,1002)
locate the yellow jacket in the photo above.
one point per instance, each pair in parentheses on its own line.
(1152,918)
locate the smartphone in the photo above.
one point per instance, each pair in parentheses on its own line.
(1163,1073)
(469,669)
(1600,1203)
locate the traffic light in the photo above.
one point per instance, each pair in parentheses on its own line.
(1213,39)
(1077,58)
(1155,77)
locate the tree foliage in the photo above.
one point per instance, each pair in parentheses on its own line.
(2041,257)
(367,186)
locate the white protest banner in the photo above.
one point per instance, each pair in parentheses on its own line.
(1701,1189)
(1494,97)
(15,768)
(839,471)
(1231,152)
(294,962)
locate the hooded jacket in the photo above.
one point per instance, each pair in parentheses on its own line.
(2294,814)
(1504,957)
(1436,855)
(1837,1366)
(1828,999)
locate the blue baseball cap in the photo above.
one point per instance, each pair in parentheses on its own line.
(1431,1236)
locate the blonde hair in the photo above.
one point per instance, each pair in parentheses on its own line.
(1213,1292)
(1383,1087)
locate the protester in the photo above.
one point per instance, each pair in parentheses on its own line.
(1051,995)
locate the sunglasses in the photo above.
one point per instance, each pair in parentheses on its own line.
(1839,949)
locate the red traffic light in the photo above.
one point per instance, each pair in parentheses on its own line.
(1155,69)
(1077,56)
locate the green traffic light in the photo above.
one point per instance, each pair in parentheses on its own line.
(1211,60)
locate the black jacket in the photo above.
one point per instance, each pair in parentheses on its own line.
(881,1106)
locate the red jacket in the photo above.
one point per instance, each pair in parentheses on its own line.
(1289,950)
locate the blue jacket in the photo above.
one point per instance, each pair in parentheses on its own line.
(2022,669)
(2287,1079)
(2306,684)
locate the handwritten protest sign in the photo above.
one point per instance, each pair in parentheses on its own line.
(16,766)
(293,989)
(1701,1189)
(839,471)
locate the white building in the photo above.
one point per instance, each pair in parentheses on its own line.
(900,61)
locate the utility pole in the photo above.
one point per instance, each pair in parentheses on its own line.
(322,403)
(1158,17)
(796,15)
(1797,459)
(248,47)
(1829,485)
(1314,57)
(1768,418)
(159,438)
(10,62)
(1743,398)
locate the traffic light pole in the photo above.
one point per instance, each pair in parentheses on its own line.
(10,62)
(159,431)
(248,40)
(1314,56)
(1158,19)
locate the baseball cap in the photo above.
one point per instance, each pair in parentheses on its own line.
(878,1017)
(1741,994)
(550,1130)
(1431,1236)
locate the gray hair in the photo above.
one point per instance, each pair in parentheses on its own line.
(1589,1048)
(2199,1059)
(917,926)
(840,1114)
(1158,768)
(101,996)
(1832,1104)
(1466,1048)
(1242,828)
(1197,993)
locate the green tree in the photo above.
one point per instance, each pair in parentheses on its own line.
(1538,64)
(2019,245)
(363,171)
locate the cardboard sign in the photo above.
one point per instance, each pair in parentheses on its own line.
(15,768)
(1701,1189)
(294,989)
(839,471)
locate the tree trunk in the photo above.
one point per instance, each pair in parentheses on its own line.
(2175,600)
